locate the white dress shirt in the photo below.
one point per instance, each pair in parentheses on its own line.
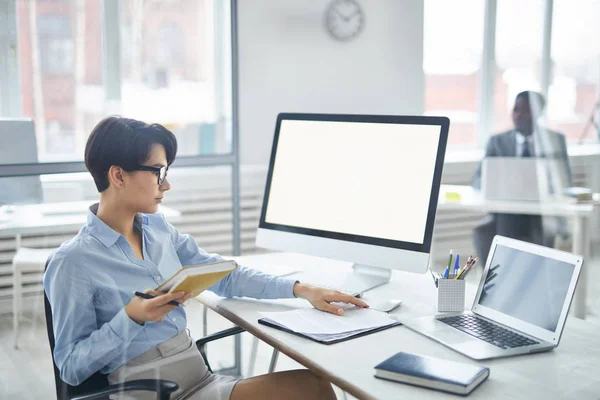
(92,277)
(521,139)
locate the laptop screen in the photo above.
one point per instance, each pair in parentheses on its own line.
(527,286)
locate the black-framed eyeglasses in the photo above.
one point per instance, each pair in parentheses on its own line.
(161,172)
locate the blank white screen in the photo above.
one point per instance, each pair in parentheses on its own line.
(368,179)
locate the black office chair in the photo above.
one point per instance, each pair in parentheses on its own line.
(97,387)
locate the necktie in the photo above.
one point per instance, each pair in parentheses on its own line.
(526,149)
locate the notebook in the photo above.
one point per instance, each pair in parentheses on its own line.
(197,278)
(328,328)
(432,373)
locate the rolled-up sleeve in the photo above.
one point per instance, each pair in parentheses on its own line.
(82,347)
(243,282)
(253,283)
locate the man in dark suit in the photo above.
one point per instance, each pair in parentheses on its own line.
(527,139)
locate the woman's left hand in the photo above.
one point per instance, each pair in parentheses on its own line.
(321,298)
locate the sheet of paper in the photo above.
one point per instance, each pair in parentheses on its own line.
(313,321)
(329,337)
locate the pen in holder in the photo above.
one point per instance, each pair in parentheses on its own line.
(451,294)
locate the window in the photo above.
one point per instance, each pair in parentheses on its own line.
(453,49)
(519,34)
(56,44)
(171,45)
(453,43)
(60,64)
(573,92)
(169,71)
(173,56)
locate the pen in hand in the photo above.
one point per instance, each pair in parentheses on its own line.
(151,296)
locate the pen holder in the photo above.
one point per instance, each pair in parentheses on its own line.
(451,294)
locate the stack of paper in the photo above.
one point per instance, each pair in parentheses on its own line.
(328,328)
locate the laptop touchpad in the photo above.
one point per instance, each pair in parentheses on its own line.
(450,336)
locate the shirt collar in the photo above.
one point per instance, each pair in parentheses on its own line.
(522,138)
(105,233)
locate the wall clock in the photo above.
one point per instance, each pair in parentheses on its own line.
(344,19)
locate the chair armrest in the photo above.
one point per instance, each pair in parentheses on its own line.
(201,343)
(219,335)
(163,389)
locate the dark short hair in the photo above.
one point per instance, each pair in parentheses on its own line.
(534,99)
(126,143)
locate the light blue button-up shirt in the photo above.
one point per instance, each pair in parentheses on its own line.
(92,277)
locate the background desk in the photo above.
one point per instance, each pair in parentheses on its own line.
(579,213)
(53,217)
(570,371)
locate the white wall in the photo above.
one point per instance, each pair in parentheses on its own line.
(288,63)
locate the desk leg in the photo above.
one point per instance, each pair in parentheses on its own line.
(581,245)
(253,353)
(273,363)
(238,354)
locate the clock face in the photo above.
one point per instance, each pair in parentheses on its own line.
(344,19)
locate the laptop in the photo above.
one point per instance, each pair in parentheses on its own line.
(520,307)
(518,178)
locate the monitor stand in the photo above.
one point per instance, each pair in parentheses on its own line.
(361,279)
(369,277)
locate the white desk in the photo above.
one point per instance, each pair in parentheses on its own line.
(580,213)
(570,371)
(53,217)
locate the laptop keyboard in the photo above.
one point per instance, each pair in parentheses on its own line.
(487,331)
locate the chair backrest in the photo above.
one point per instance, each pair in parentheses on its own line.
(63,390)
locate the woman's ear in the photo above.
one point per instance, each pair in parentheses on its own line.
(116,176)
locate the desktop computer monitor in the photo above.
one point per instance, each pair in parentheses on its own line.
(358,188)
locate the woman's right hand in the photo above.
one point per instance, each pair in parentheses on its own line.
(153,310)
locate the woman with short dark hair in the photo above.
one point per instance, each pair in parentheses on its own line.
(99,325)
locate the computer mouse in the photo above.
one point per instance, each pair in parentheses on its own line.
(385,305)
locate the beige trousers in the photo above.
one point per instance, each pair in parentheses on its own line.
(177,360)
